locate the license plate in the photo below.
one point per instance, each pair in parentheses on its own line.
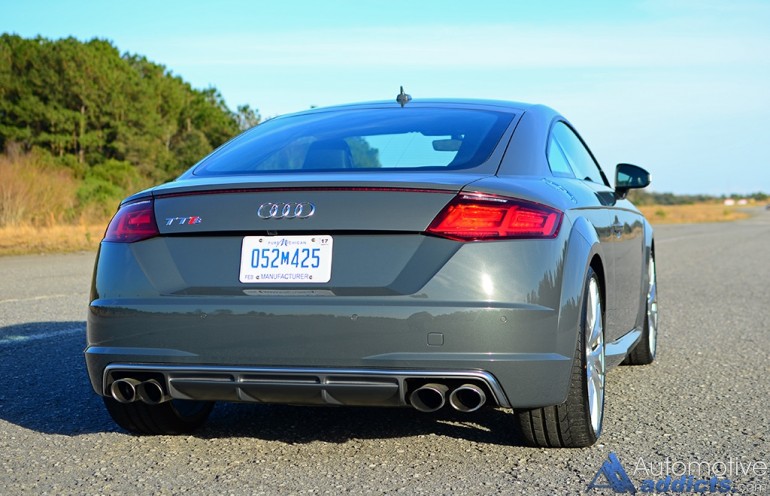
(286,259)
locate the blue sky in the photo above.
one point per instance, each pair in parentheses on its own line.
(681,87)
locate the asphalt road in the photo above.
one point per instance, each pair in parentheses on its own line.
(703,404)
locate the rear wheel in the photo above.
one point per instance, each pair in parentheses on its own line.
(645,350)
(577,422)
(171,417)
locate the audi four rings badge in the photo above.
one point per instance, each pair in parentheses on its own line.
(290,210)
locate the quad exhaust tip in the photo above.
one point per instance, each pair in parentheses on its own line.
(151,392)
(429,398)
(467,398)
(432,397)
(129,390)
(124,390)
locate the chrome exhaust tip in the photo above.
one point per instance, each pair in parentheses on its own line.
(467,398)
(124,390)
(429,398)
(151,392)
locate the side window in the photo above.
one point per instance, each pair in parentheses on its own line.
(556,159)
(577,155)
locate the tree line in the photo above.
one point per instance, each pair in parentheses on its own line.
(112,119)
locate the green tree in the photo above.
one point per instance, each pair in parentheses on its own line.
(363,154)
(247,117)
(84,100)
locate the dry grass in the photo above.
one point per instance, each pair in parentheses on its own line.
(34,192)
(686,214)
(38,211)
(20,240)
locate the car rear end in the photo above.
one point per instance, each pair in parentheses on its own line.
(336,279)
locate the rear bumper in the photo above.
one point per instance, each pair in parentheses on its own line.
(376,358)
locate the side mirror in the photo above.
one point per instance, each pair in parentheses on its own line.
(628,177)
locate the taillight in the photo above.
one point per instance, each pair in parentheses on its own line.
(133,222)
(478,216)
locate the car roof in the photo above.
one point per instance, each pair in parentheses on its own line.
(468,103)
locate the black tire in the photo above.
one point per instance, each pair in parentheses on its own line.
(645,351)
(577,422)
(172,417)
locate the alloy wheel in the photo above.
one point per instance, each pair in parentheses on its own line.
(594,353)
(652,308)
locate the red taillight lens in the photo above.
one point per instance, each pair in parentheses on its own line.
(477,216)
(133,222)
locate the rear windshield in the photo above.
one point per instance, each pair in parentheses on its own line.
(364,139)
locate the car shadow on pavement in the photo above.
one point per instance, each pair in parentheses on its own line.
(305,424)
(44,387)
(43,381)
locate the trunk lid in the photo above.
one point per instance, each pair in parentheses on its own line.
(316,203)
(212,233)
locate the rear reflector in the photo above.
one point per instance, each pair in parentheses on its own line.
(133,222)
(478,217)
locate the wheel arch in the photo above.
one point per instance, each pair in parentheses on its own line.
(570,423)
(649,250)
(583,253)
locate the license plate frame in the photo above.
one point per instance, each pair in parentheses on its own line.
(286,259)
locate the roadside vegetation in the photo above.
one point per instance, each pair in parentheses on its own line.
(667,208)
(83,126)
(688,214)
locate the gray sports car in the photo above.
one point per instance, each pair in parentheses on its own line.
(428,254)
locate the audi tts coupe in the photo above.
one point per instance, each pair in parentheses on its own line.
(427,254)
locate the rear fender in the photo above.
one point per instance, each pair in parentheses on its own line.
(582,248)
(649,248)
